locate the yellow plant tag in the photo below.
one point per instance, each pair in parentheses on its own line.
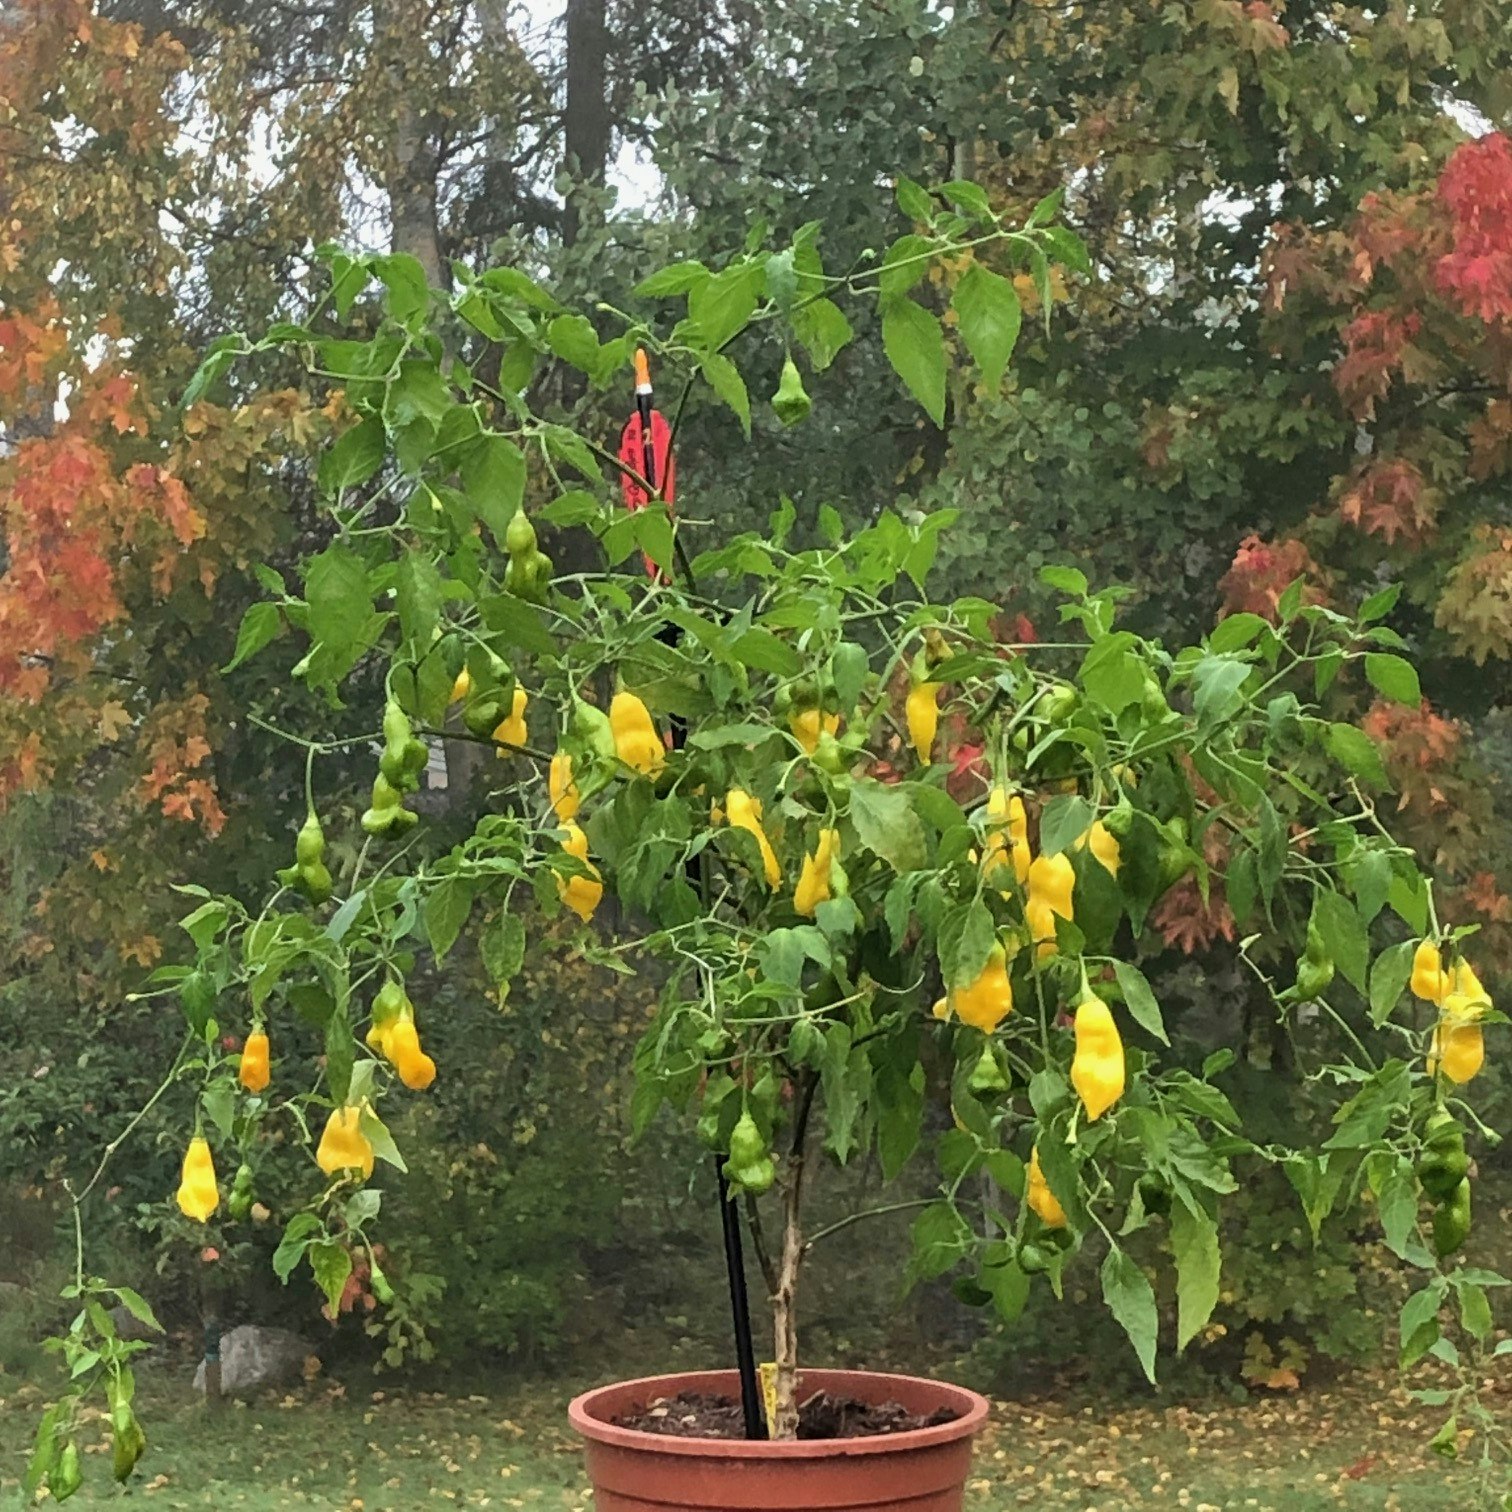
(767,1374)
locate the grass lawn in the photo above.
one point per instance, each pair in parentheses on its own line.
(322,1445)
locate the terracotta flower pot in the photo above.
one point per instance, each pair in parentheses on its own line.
(923,1470)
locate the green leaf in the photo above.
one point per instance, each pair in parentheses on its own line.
(887,824)
(493,480)
(941,1238)
(136,1304)
(261,624)
(417,586)
(1388,980)
(1140,1000)
(1217,683)
(720,306)
(1418,1326)
(968,198)
(914,200)
(990,317)
(298,1232)
(340,600)
(675,278)
(1194,1241)
(332,1267)
(1356,751)
(1395,678)
(1344,936)
(375,1131)
(915,346)
(574,340)
(1380,604)
(354,458)
(823,330)
(219,1103)
(341,1055)
(502,947)
(1066,818)
(447,906)
(1131,1300)
(1068,580)
(724,378)
(903,265)
(404,278)
(1397,1205)
(965,940)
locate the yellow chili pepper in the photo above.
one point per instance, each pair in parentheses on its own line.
(1005,812)
(744,812)
(402,1046)
(253,1071)
(1103,845)
(512,732)
(808,725)
(198,1196)
(343,1145)
(1042,1201)
(562,787)
(1051,880)
(923,713)
(1097,1070)
(814,875)
(987,1001)
(1458,1050)
(636,742)
(1429,979)
(1466,1001)
(581,894)
(462,686)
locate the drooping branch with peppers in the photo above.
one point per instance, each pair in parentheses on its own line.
(851,926)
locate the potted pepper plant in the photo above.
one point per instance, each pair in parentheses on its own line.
(886,856)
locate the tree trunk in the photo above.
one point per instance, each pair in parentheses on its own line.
(586,123)
(414,156)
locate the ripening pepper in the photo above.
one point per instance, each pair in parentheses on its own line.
(1315,970)
(1097,1069)
(1103,844)
(309,874)
(462,686)
(985,1002)
(1458,1050)
(923,713)
(562,786)
(343,1145)
(511,732)
(253,1071)
(1051,879)
(389,1003)
(1429,979)
(814,875)
(808,725)
(744,812)
(581,894)
(198,1196)
(1005,811)
(67,1475)
(636,742)
(402,1047)
(387,815)
(1042,1201)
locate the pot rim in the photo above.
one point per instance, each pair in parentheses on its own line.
(581,1413)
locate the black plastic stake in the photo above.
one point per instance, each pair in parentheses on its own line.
(740,1309)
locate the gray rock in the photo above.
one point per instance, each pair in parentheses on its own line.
(254,1358)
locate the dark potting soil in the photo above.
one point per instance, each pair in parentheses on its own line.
(698,1414)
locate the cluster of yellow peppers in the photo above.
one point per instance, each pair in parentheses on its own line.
(1458,1048)
(394,1036)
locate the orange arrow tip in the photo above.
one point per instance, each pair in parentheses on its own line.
(642,368)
